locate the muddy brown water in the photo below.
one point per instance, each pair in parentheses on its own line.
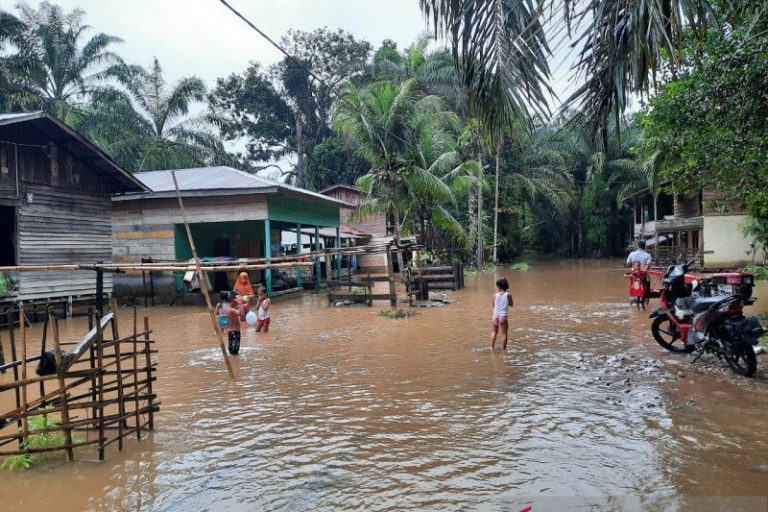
(340,409)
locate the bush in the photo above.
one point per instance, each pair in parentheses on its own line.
(400,313)
(759,271)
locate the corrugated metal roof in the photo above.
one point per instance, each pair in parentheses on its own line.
(21,116)
(222,178)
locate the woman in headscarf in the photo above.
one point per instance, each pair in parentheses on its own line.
(245,289)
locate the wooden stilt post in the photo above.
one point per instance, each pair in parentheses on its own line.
(318,273)
(148,362)
(298,252)
(203,280)
(338,253)
(391,275)
(119,368)
(135,346)
(12,340)
(100,382)
(268,255)
(63,391)
(24,419)
(2,353)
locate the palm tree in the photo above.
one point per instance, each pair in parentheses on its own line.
(147,126)
(414,166)
(11,29)
(62,69)
(500,48)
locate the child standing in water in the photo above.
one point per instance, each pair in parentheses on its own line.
(262,316)
(229,311)
(502,301)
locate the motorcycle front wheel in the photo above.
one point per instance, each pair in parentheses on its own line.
(740,357)
(666,334)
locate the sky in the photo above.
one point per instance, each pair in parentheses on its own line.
(205,39)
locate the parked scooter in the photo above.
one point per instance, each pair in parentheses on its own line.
(687,321)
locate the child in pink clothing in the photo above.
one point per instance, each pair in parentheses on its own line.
(502,301)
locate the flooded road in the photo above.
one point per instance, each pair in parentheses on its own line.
(340,409)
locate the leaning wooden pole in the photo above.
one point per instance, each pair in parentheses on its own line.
(24,419)
(203,280)
(62,388)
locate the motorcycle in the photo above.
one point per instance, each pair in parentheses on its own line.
(689,320)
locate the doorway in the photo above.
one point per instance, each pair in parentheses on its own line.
(7,236)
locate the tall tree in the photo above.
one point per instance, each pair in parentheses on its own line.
(286,109)
(63,66)
(11,95)
(147,125)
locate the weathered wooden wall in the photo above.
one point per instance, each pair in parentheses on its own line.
(63,214)
(145,227)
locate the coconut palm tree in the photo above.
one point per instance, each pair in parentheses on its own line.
(63,67)
(406,139)
(146,125)
(501,50)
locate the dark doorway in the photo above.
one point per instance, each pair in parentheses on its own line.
(7,236)
(221,247)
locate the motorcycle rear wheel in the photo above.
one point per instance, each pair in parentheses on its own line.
(741,357)
(666,334)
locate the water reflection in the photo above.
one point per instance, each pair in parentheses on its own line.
(340,409)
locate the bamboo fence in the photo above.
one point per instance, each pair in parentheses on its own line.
(96,400)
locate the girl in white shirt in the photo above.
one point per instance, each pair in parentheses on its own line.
(502,301)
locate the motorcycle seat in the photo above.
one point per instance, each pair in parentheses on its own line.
(696,304)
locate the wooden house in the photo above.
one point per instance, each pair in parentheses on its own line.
(679,227)
(374,227)
(232,214)
(55,206)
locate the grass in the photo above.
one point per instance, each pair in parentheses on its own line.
(764,340)
(400,313)
(44,439)
(522,266)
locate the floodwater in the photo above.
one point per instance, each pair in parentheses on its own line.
(340,409)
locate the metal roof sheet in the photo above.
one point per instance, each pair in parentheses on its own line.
(222,179)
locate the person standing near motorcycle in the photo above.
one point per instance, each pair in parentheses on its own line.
(640,256)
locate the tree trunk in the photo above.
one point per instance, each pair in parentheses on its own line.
(396,216)
(479,253)
(472,214)
(480,241)
(300,176)
(496,205)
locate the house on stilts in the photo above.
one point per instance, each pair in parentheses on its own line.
(677,227)
(55,208)
(232,215)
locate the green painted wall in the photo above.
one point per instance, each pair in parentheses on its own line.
(204,236)
(295,210)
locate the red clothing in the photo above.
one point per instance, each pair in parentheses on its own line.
(638,283)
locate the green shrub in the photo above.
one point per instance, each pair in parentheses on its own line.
(759,271)
(523,266)
(400,313)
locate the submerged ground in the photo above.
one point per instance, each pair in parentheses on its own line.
(340,409)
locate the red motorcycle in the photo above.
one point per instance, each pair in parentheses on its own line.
(692,319)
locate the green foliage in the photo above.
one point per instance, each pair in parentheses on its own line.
(40,438)
(17,462)
(397,314)
(759,271)
(358,290)
(522,266)
(708,127)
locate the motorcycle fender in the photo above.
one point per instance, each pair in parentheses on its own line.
(657,313)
